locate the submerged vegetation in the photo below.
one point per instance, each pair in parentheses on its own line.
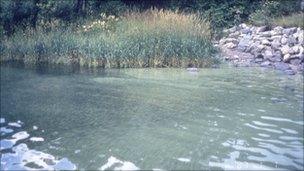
(153,38)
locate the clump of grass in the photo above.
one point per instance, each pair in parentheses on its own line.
(154,38)
(293,20)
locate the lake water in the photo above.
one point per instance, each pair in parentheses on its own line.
(227,118)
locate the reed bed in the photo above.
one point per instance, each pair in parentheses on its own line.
(153,38)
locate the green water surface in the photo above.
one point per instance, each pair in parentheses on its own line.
(227,118)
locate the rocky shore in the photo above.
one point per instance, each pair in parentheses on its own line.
(279,48)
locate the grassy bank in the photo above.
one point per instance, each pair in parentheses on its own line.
(293,20)
(154,38)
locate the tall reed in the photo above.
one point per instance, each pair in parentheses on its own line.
(153,38)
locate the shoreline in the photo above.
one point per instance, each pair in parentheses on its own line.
(278,48)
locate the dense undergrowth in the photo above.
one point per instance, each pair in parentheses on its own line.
(153,38)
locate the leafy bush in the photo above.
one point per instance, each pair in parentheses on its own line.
(293,20)
(273,9)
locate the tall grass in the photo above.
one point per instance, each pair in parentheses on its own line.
(293,20)
(154,38)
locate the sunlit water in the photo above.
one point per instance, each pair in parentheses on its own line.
(227,118)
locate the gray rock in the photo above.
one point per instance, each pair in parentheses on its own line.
(230,45)
(291,40)
(300,37)
(254,50)
(261,29)
(290,72)
(285,49)
(233,29)
(284,40)
(278,37)
(276,44)
(301,50)
(300,67)
(291,51)
(234,34)
(266,42)
(289,31)
(281,66)
(295,68)
(258,60)
(244,43)
(295,61)
(226,31)
(268,54)
(278,28)
(228,40)
(275,32)
(246,30)
(253,47)
(296,48)
(277,56)
(265,64)
(243,25)
(265,34)
(288,57)
(242,48)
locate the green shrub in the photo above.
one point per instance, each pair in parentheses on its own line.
(272,9)
(293,20)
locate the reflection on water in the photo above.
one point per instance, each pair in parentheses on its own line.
(15,154)
(151,119)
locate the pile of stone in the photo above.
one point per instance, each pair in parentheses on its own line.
(280,48)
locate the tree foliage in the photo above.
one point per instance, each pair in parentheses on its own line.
(17,14)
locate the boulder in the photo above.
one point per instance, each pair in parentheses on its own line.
(289,31)
(258,60)
(284,40)
(243,25)
(278,28)
(291,40)
(286,57)
(276,44)
(265,34)
(261,29)
(230,45)
(285,49)
(290,72)
(234,34)
(277,37)
(296,48)
(291,51)
(301,67)
(300,37)
(266,42)
(233,29)
(276,32)
(244,43)
(225,30)
(228,40)
(265,64)
(277,56)
(281,66)
(246,31)
(268,54)
(295,61)
(294,67)
(289,57)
